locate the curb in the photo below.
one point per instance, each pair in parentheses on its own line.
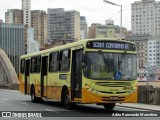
(9,90)
(138,108)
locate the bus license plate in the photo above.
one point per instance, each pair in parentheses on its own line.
(113,98)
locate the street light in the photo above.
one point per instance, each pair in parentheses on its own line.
(120,17)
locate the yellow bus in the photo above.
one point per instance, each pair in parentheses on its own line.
(92,71)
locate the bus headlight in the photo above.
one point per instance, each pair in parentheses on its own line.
(126,88)
(97,92)
(129,92)
(94,91)
(86,86)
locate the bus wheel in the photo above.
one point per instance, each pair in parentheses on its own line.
(109,106)
(33,97)
(66,100)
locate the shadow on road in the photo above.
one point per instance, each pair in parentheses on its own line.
(78,108)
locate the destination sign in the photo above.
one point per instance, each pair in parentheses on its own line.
(111,45)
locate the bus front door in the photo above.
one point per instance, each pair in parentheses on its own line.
(44,66)
(27,80)
(76,75)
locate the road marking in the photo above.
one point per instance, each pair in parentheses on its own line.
(131,108)
(23,103)
(5,99)
(51,110)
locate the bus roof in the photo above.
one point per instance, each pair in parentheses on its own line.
(69,45)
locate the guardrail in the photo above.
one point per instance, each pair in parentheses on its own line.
(148,95)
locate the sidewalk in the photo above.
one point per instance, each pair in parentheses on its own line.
(9,90)
(140,106)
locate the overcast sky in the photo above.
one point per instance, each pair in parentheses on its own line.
(96,11)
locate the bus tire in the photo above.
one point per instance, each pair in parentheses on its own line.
(109,106)
(33,97)
(66,100)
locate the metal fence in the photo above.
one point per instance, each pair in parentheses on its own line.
(149,95)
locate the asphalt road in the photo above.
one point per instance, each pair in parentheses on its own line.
(19,105)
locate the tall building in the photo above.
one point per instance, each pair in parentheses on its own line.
(39,23)
(63,25)
(26,7)
(145,17)
(33,45)
(141,42)
(83,27)
(12,42)
(154,53)
(14,16)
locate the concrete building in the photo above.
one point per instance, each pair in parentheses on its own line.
(117,31)
(97,31)
(83,27)
(12,42)
(151,70)
(57,43)
(109,22)
(154,53)
(39,23)
(26,7)
(32,45)
(110,28)
(63,24)
(141,42)
(14,16)
(145,17)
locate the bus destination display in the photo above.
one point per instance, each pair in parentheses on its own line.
(110,45)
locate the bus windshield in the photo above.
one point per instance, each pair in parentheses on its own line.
(110,66)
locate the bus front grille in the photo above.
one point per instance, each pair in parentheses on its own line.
(116,88)
(113,84)
(114,92)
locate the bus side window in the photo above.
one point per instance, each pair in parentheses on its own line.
(35,64)
(32,68)
(38,64)
(64,60)
(53,62)
(22,68)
